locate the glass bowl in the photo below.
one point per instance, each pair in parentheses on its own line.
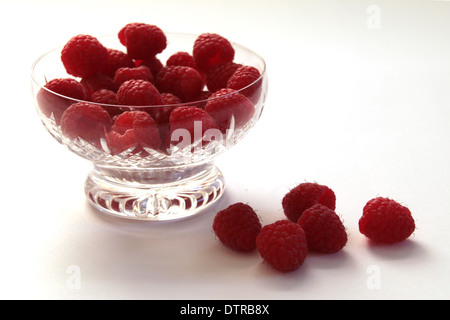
(175,180)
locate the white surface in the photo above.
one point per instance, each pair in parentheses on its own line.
(359,104)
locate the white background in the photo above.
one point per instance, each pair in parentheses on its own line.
(358,100)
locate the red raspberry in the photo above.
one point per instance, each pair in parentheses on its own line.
(283,245)
(245,78)
(181,58)
(122,33)
(162,114)
(133,128)
(84,55)
(211,50)
(117,59)
(87,121)
(304,196)
(108,100)
(237,227)
(184,82)
(138,93)
(217,78)
(134,73)
(324,230)
(96,82)
(142,40)
(386,221)
(191,119)
(228,104)
(55,102)
(154,64)
(104,96)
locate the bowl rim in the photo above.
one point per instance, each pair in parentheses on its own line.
(41,86)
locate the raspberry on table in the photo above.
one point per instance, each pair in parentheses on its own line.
(133,128)
(325,232)
(134,73)
(189,118)
(304,196)
(143,41)
(87,121)
(184,82)
(138,93)
(227,105)
(211,50)
(283,245)
(55,102)
(217,78)
(237,227)
(84,55)
(386,221)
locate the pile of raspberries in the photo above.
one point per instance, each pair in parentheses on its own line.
(111,85)
(311,225)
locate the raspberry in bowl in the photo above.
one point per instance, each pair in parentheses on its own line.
(137,104)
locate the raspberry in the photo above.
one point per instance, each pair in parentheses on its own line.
(226,105)
(54,102)
(191,119)
(133,128)
(96,82)
(237,227)
(84,55)
(324,230)
(87,121)
(243,78)
(211,50)
(386,221)
(143,40)
(138,93)
(154,64)
(184,82)
(117,59)
(108,99)
(162,114)
(217,77)
(181,58)
(304,196)
(134,73)
(283,245)
(104,96)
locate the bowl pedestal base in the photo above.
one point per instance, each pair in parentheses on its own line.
(159,194)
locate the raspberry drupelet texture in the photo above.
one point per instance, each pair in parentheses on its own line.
(283,245)
(133,129)
(325,232)
(386,221)
(184,82)
(86,121)
(211,50)
(181,58)
(246,78)
(217,78)
(84,55)
(189,124)
(237,227)
(304,196)
(55,102)
(117,59)
(138,93)
(143,41)
(228,105)
(134,73)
